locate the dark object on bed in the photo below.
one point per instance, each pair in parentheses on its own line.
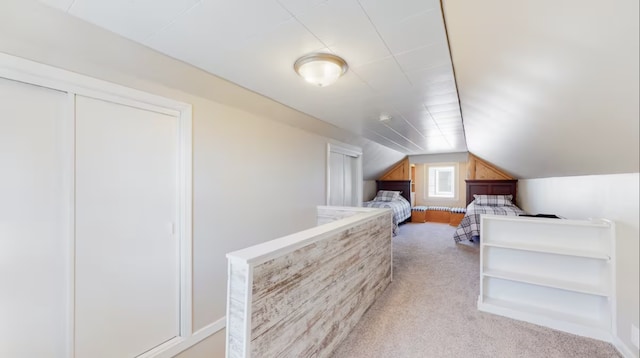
(403,186)
(491,187)
(548,216)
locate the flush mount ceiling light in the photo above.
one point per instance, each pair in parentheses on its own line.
(320,69)
(385,117)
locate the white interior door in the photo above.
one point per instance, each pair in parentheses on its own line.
(127,255)
(35,209)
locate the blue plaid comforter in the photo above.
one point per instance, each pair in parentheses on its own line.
(401,210)
(470,224)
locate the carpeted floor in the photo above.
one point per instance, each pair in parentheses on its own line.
(429,310)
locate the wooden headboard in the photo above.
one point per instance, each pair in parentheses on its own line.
(404,186)
(491,187)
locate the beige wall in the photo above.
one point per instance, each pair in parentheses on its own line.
(258,169)
(369,190)
(421,179)
(614,197)
(212,347)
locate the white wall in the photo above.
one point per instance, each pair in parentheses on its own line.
(254,180)
(259,171)
(613,197)
(369,190)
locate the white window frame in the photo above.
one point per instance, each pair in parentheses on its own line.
(428,195)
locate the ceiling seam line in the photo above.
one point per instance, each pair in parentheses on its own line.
(412,126)
(385,43)
(71,6)
(385,138)
(437,126)
(170,23)
(398,133)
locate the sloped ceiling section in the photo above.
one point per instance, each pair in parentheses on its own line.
(548,88)
(376,159)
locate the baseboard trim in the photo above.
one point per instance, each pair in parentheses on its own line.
(623,349)
(179,344)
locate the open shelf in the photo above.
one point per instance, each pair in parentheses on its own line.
(546,313)
(551,272)
(577,324)
(550,250)
(548,282)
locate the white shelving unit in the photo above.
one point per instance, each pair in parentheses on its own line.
(552,272)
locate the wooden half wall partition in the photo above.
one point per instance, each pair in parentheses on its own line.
(300,295)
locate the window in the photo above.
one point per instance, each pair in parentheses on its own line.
(442,181)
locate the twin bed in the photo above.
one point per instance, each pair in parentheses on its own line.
(395,195)
(486,197)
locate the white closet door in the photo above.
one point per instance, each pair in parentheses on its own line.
(336,179)
(350,177)
(127,257)
(347,181)
(343,179)
(35,209)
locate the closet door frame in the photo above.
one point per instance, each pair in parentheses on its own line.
(350,151)
(26,71)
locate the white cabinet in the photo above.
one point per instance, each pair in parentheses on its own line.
(552,272)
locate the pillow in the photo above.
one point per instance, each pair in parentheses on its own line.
(387,195)
(493,200)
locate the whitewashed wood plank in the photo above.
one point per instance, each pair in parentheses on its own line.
(305,301)
(236,301)
(319,291)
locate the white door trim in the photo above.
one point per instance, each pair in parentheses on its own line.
(70,183)
(350,151)
(22,70)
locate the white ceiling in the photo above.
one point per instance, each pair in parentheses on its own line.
(546,88)
(549,88)
(397,51)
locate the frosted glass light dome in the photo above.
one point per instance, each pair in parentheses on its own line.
(320,69)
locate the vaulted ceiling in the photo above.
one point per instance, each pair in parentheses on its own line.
(544,88)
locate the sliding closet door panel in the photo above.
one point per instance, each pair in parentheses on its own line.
(127,256)
(351,181)
(343,179)
(336,179)
(349,193)
(35,209)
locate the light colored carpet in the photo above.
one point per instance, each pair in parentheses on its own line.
(429,310)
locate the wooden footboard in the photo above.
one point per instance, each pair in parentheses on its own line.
(299,296)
